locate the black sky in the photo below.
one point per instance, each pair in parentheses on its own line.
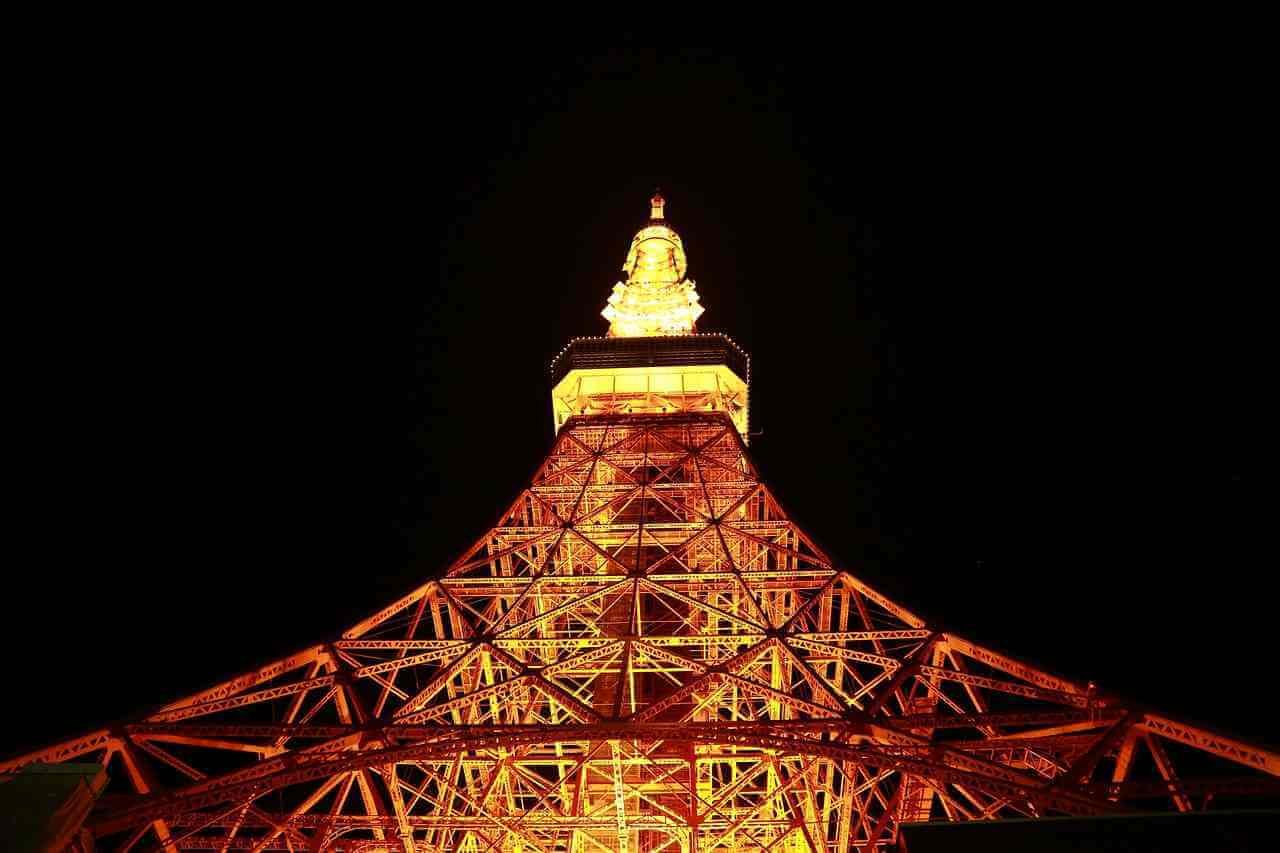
(284,337)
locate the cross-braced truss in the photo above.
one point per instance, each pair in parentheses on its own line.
(644,654)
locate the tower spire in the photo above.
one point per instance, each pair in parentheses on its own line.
(654,361)
(656,204)
(657,298)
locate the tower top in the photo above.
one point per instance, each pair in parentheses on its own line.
(654,361)
(656,299)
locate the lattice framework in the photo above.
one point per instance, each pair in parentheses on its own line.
(644,653)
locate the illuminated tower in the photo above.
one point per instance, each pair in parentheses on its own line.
(653,361)
(644,654)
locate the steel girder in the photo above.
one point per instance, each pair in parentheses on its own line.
(644,653)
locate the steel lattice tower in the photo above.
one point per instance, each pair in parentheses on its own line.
(644,654)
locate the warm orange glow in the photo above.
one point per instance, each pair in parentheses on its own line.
(656,298)
(652,390)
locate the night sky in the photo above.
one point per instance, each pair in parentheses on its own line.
(284,348)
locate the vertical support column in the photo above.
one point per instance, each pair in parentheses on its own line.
(848,776)
(1124,760)
(397,803)
(694,819)
(619,798)
(1168,773)
(372,802)
(142,783)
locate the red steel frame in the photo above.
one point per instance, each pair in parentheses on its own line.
(644,654)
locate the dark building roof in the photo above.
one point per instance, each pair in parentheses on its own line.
(1237,831)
